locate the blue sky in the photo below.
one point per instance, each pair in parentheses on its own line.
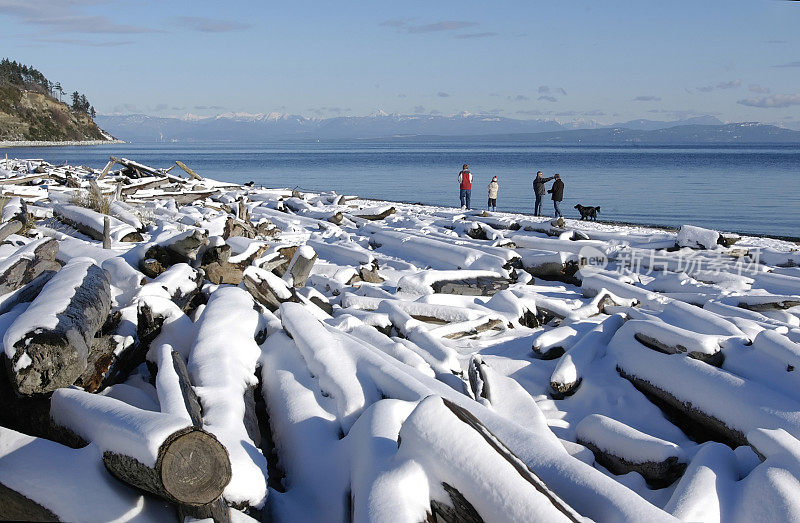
(607,61)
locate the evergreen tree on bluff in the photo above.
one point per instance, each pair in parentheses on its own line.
(31,79)
(31,108)
(23,76)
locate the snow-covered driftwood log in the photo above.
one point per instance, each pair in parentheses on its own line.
(568,373)
(440,432)
(157,452)
(26,263)
(672,340)
(267,288)
(468,283)
(48,346)
(41,480)
(225,382)
(300,266)
(91,224)
(622,449)
(699,393)
(14,217)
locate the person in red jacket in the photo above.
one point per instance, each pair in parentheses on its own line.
(465,186)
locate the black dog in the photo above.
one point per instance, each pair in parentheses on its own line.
(588,213)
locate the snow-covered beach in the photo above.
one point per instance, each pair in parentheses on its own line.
(319,357)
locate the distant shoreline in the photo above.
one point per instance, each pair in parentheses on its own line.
(33,143)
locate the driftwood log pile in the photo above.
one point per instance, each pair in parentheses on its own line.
(179,347)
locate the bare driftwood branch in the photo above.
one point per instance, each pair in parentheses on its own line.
(189,171)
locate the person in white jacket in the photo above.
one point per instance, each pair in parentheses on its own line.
(494,187)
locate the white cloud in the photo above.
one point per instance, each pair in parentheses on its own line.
(772,101)
(732,84)
(66,16)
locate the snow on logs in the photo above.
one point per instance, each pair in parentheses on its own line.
(552,343)
(14,217)
(696,237)
(777,283)
(157,452)
(700,320)
(699,395)
(778,347)
(557,266)
(155,313)
(267,288)
(49,345)
(517,310)
(419,310)
(622,449)
(467,282)
(41,480)
(440,357)
(179,248)
(471,465)
(91,223)
(28,262)
(300,266)
(670,339)
(180,282)
(700,238)
(435,253)
(380,340)
(374,213)
(304,209)
(763,301)
(222,366)
(706,492)
(323,354)
(593,283)
(568,374)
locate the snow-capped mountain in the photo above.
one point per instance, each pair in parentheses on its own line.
(255,127)
(260,127)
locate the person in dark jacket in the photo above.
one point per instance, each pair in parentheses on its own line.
(539,191)
(558,194)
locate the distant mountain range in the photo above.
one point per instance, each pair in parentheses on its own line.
(733,133)
(254,128)
(653,125)
(240,127)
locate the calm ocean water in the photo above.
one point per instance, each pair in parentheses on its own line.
(742,189)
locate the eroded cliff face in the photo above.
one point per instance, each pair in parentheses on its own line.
(28,115)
